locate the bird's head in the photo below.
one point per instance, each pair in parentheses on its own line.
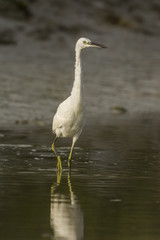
(85,42)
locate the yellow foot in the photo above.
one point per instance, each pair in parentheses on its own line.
(59,165)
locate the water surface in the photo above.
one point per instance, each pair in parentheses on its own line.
(112,192)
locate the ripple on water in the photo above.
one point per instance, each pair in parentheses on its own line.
(112,191)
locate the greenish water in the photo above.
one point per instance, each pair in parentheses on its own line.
(112,192)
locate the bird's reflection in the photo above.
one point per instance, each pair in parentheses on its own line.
(66,217)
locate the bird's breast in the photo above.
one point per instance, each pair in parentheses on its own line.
(73,127)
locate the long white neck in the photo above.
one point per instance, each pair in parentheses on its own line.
(77,85)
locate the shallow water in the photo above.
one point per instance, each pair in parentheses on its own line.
(112,192)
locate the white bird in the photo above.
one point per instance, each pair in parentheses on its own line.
(69,118)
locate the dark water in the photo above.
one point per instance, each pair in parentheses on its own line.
(113,191)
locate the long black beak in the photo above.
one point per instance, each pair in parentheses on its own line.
(92,44)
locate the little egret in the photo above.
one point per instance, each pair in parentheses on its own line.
(68,121)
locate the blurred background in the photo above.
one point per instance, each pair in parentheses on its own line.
(37,40)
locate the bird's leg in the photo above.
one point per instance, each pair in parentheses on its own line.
(70,154)
(69,158)
(53,146)
(59,165)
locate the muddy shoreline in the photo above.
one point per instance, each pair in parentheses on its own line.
(37,64)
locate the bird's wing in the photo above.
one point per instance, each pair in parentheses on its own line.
(64,114)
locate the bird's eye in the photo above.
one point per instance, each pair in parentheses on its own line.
(85,42)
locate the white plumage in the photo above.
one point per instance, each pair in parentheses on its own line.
(69,118)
